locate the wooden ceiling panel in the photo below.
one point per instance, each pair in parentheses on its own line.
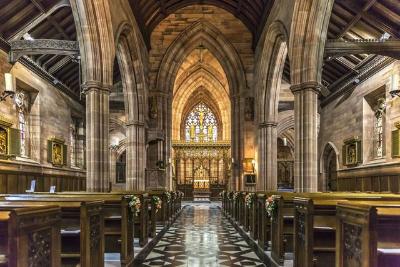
(16,15)
(358,19)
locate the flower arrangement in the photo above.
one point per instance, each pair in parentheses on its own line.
(249,199)
(271,207)
(156,201)
(135,204)
(230,195)
(168,196)
(173,195)
(236,195)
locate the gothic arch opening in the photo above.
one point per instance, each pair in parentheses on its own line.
(128,106)
(329,168)
(201,125)
(200,64)
(269,77)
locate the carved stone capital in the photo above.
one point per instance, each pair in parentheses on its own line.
(135,123)
(262,125)
(311,85)
(89,86)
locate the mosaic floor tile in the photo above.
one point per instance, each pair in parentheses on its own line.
(201,236)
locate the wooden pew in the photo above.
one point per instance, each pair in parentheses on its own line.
(368,234)
(157,216)
(314,232)
(30,236)
(315,227)
(282,225)
(82,226)
(264,223)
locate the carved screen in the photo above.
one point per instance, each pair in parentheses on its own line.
(201,125)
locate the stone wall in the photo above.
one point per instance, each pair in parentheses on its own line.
(352,115)
(50,115)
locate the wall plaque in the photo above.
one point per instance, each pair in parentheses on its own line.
(352,151)
(56,151)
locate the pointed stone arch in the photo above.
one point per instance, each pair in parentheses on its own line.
(134,87)
(213,88)
(201,32)
(273,52)
(206,34)
(329,157)
(306,48)
(96,43)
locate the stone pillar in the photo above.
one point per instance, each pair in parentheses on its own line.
(267,156)
(135,156)
(236,146)
(113,164)
(306,136)
(97,136)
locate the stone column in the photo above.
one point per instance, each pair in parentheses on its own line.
(236,146)
(306,136)
(135,156)
(267,156)
(113,164)
(97,136)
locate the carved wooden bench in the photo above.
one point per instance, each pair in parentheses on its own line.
(82,225)
(368,234)
(29,236)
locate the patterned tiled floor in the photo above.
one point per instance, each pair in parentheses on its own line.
(201,236)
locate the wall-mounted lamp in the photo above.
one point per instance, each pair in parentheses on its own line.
(9,87)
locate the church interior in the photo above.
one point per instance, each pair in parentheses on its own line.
(200,133)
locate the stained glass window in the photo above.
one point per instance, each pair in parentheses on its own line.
(201,125)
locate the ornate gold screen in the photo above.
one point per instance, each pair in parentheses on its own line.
(201,164)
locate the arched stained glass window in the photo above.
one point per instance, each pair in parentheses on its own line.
(201,125)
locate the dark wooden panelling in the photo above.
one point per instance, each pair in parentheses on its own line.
(18,183)
(387,183)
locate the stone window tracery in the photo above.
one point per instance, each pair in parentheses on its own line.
(201,125)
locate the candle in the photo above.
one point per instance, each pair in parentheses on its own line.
(9,82)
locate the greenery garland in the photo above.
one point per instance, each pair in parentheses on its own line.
(168,196)
(249,199)
(157,202)
(134,204)
(236,195)
(271,206)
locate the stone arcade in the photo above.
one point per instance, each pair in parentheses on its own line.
(200,133)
